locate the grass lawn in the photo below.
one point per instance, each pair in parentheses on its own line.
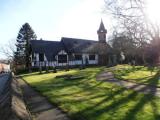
(88,99)
(139,74)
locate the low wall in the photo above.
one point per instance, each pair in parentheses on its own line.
(19,109)
(12,106)
(6,99)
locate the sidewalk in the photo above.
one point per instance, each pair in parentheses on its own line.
(38,105)
(146,89)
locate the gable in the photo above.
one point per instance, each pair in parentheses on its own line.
(62,52)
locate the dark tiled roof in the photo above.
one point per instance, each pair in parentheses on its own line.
(70,45)
(50,48)
(74,45)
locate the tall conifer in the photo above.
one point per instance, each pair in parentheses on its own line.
(22,54)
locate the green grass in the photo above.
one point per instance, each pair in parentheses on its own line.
(88,99)
(139,74)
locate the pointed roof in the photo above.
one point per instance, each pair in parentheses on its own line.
(102,28)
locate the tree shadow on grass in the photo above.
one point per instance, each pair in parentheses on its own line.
(125,71)
(58,83)
(155,79)
(145,99)
(90,113)
(142,78)
(93,111)
(114,105)
(132,112)
(150,80)
(33,74)
(149,98)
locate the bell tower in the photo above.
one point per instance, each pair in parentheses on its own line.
(102,33)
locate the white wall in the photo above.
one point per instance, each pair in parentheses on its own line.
(75,62)
(62,52)
(90,61)
(36,62)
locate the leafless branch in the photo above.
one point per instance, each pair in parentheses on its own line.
(8,49)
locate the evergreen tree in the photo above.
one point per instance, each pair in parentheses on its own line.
(25,35)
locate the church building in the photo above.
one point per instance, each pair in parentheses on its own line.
(70,51)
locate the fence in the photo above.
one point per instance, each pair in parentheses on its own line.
(5,99)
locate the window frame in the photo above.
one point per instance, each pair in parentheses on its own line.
(79,56)
(64,60)
(91,57)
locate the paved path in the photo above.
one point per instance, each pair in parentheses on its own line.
(3,80)
(39,107)
(147,89)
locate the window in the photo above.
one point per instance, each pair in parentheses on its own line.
(41,57)
(91,57)
(62,58)
(78,57)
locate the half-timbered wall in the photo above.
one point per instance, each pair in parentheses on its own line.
(85,60)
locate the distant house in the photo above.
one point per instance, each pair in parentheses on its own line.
(70,51)
(4,67)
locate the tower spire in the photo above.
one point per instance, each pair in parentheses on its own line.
(102,32)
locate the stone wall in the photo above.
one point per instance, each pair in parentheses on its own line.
(5,100)
(12,106)
(19,109)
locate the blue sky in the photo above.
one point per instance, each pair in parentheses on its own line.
(51,19)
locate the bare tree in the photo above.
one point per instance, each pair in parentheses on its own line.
(8,49)
(133,20)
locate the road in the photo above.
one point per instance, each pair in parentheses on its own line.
(3,80)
